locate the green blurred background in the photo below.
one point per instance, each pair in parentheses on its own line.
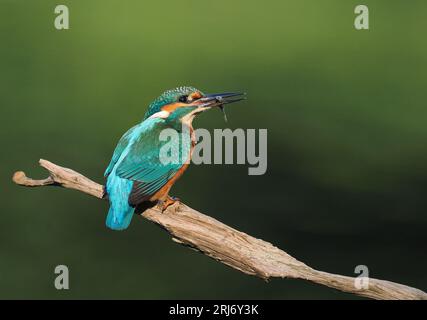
(346,117)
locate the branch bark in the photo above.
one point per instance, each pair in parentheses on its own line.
(225,244)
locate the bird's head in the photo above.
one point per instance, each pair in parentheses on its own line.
(184,103)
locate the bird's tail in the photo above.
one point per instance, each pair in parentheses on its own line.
(120,213)
(119,219)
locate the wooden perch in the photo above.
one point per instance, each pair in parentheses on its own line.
(225,244)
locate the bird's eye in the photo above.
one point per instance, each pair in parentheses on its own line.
(183,99)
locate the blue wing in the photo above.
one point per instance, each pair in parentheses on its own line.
(136,171)
(144,164)
(121,145)
(121,212)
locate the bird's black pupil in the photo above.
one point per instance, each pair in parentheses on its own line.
(183,98)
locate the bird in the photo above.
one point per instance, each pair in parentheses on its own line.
(136,173)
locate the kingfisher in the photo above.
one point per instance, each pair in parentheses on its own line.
(136,173)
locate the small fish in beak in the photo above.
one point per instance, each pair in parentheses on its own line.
(221,99)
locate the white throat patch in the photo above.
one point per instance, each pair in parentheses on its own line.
(161,114)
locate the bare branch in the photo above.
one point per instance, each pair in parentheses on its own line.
(225,244)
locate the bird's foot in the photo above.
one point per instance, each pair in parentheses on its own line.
(164,204)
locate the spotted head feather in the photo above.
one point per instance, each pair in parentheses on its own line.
(168,97)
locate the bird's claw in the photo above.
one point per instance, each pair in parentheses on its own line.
(164,204)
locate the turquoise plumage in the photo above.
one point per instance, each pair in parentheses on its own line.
(136,172)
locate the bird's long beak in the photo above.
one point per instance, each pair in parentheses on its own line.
(220,99)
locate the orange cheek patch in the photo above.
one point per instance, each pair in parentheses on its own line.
(173,106)
(195,95)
